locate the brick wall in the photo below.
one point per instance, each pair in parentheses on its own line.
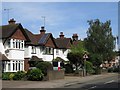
(26,64)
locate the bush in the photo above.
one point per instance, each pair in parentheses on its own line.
(35,75)
(11,76)
(68,68)
(44,67)
(116,70)
(97,70)
(89,67)
(5,76)
(19,75)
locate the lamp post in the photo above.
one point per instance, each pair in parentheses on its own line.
(85,56)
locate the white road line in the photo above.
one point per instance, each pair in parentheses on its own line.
(109,82)
(93,87)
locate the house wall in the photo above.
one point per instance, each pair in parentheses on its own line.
(2,47)
(48,58)
(13,53)
(50,43)
(61,54)
(39,53)
(18,35)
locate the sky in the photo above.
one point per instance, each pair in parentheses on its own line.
(66,17)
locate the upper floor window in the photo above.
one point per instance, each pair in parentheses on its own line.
(18,44)
(33,49)
(48,50)
(57,52)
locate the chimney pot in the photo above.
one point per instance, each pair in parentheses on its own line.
(61,35)
(42,31)
(11,21)
(75,37)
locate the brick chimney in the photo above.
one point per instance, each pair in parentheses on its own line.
(42,31)
(61,35)
(11,21)
(75,37)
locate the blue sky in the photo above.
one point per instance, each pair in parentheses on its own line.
(68,17)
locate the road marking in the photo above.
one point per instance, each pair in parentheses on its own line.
(93,87)
(109,82)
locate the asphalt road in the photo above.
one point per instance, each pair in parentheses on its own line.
(111,83)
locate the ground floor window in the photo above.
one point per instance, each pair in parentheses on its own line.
(13,66)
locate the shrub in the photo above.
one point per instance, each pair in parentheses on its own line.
(5,76)
(116,69)
(44,67)
(68,68)
(110,69)
(11,76)
(97,70)
(19,75)
(35,75)
(89,67)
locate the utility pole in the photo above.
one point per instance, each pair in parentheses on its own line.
(43,20)
(8,11)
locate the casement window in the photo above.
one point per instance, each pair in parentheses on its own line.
(33,50)
(42,48)
(13,66)
(48,50)
(57,51)
(17,44)
(8,43)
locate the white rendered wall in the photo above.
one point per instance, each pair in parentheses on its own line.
(2,47)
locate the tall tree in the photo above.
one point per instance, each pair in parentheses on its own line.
(76,55)
(100,41)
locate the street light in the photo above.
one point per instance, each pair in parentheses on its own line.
(85,56)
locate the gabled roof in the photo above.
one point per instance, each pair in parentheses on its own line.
(39,39)
(63,43)
(9,30)
(44,38)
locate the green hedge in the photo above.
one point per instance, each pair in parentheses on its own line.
(35,75)
(44,67)
(68,68)
(19,75)
(5,76)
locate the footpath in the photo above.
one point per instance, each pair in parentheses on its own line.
(68,80)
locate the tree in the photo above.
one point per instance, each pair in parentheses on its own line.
(76,55)
(100,41)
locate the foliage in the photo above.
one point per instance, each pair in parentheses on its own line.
(11,76)
(68,68)
(100,41)
(35,75)
(19,75)
(59,59)
(76,55)
(44,67)
(89,67)
(5,76)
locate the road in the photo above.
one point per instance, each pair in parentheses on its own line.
(109,82)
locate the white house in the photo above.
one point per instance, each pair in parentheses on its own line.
(12,46)
(41,46)
(63,46)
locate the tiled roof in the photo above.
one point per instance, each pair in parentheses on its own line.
(63,42)
(3,57)
(38,39)
(44,38)
(8,30)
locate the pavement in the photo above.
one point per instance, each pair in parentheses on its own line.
(68,80)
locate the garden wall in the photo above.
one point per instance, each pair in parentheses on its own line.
(54,75)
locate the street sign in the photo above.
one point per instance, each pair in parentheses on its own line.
(85,56)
